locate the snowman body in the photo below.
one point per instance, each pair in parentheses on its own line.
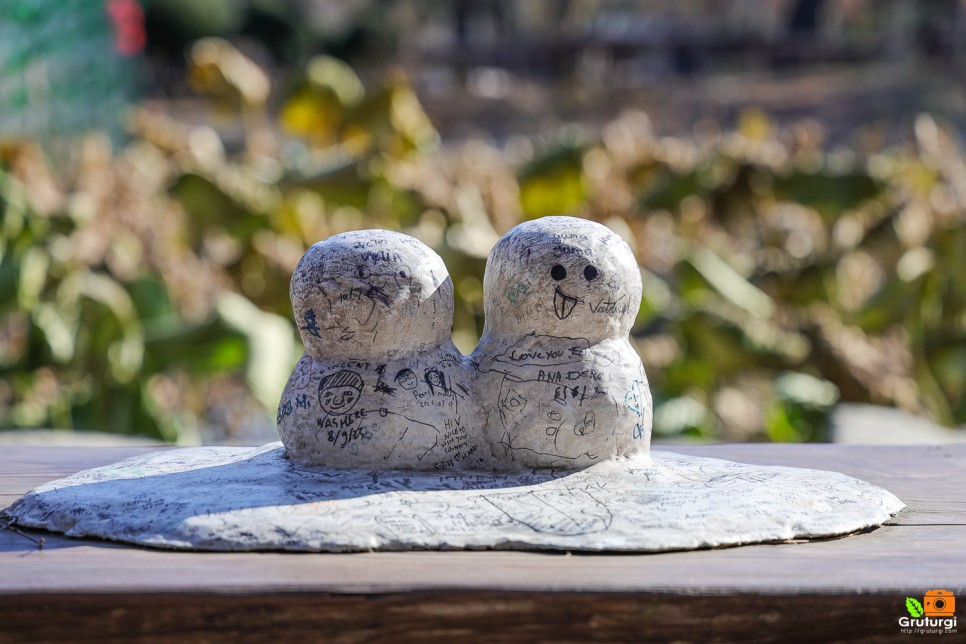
(557,381)
(381,384)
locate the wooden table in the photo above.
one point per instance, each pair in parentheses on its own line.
(848,588)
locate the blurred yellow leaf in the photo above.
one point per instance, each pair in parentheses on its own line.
(554,183)
(326,72)
(754,124)
(219,69)
(314,114)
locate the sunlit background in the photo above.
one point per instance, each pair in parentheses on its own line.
(789,173)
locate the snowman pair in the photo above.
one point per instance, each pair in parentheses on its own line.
(553,383)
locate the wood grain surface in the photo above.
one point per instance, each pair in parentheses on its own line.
(846,588)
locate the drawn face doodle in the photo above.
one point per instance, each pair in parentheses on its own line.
(435,378)
(514,401)
(339,392)
(563,302)
(634,398)
(406,379)
(562,276)
(403,276)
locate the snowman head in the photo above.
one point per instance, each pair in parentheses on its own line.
(561,276)
(371,294)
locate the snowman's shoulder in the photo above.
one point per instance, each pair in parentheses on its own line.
(390,365)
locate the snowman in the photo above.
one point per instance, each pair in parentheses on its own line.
(558,383)
(381,385)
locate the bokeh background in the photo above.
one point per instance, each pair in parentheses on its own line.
(789,173)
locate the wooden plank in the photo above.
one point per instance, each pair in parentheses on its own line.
(449,617)
(28,460)
(895,559)
(848,588)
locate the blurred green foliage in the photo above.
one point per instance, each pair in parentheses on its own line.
(146,289)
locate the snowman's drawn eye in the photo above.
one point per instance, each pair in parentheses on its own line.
(590,272)
(558,272)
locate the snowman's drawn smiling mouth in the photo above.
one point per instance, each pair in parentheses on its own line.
(563,304)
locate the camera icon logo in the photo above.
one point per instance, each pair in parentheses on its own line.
(939,603)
